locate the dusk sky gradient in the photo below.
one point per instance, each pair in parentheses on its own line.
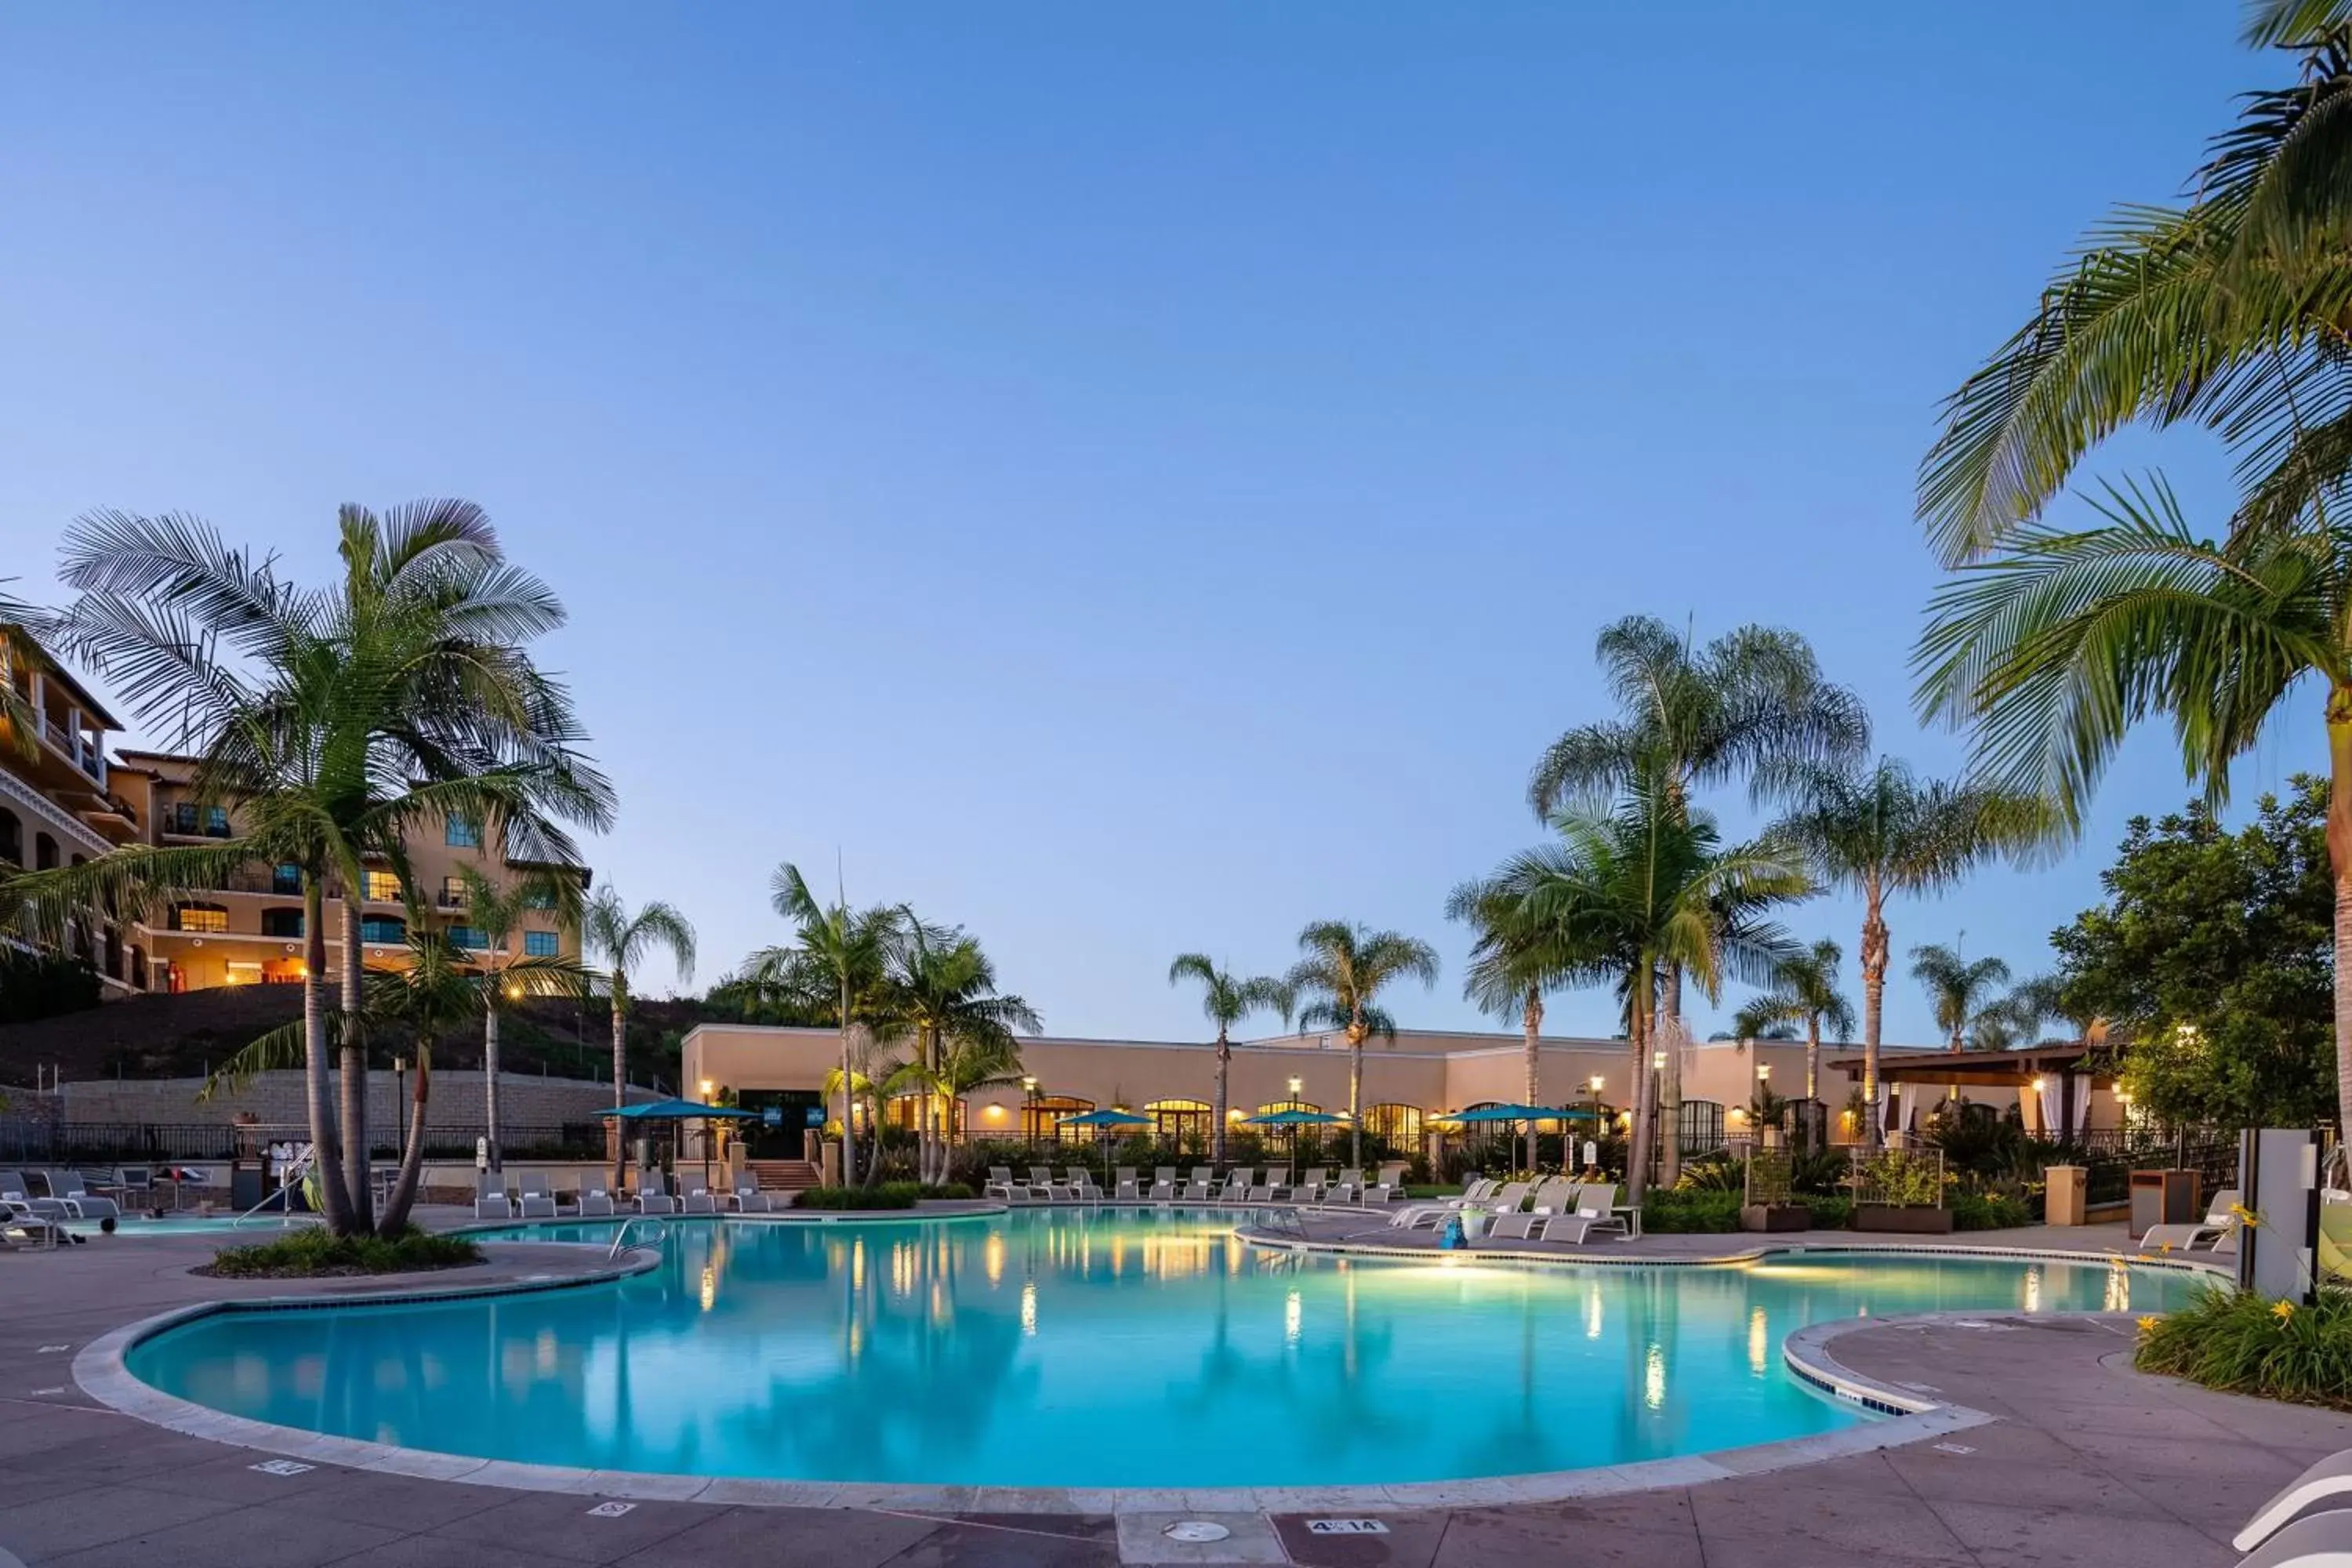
(1128,479)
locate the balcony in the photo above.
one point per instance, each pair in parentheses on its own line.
(86,753)
(184,821)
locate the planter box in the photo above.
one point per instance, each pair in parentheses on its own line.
(1887,1217)
(1776,1216)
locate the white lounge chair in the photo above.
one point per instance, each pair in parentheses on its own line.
(1308,1188)
(1480,1191)
(1125,1187)
(653,1194)
(1276,1187)
(2219,1225)
(1236,1188)
(1597,1202)
(137,1186)
(534,1199)
(1516,1226)
(16,1195)
(1349,1188)
(1554,1195)
(1000,1184)
(490,1199)
(748,1198)
(1203,1185)
(2314,1541)
(1163,1185)
(1042,1182)
(2330,1478)
(66,1186)
(596,1200)
(1082,1186)
(1389,1188)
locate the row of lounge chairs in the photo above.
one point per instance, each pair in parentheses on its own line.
(534,1198)
(1243,1184)
(66,1196)
(1554,1209)
(2283,1533)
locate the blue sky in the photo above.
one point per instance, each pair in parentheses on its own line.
(1128,479)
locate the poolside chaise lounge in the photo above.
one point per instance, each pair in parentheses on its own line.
(1125,1187)
(1480,1189)
(1389,1188)
(699,1198)
(2219,1226)
(2330,1478)
(1349,1188)
(537,1200)
(491,1201)
(596,1200)
(1308,1187)
(2314,1541)
(1202,1186)
(137,1184)
(749,1197)
(1163,1185)
(15,1195)
(66,1186)
(1276,1187)
(1430,1215)
(1000,1184)
(1042,1182)
(1082,1186)
(653,1194)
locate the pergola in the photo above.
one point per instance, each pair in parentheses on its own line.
(2067,1064)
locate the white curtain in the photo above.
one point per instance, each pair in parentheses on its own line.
(2052,1103)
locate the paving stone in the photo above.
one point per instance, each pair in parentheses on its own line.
(241,1538)
(435,1552)
(2013,1537)
(963,1546)
(92,1516)
(1799,1508)
(791,1537)
(560,1524)
(1492,1538)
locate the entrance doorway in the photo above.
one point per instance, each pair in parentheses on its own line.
(786,1116)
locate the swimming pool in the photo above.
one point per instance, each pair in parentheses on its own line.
(259,1227)
(1086,1348)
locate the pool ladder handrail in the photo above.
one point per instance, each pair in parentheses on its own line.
(620,1241)
(288,1180)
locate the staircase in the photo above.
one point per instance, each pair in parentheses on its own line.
(781,1175)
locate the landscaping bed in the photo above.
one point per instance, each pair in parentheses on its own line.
(881,1196)
(2240,1341)
(311,1253)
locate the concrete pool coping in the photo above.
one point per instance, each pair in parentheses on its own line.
(1905,1416)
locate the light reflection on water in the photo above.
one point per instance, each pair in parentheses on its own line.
(1070,1348)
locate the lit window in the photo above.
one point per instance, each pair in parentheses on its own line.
(464,835)
(380,887)
(539,944)
(200,917)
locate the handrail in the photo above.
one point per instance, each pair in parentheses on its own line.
(288,1180)
(620,1241)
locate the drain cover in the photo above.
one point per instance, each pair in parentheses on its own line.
(1196,1530)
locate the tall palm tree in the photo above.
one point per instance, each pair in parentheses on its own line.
(1649,885)
(1345,969)
(1880,832)
(1750,705)
(1804,990)
(853,951)
(1226,1000)
(495,911)
(621,940)
(2031,1006)
(940,988)
(335,721)
(1959,989)
(1515,958)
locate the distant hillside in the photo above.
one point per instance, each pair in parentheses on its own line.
(178,1037)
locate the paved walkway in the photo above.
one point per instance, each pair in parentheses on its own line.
(2087,1463)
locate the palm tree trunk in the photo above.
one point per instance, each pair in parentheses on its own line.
(1670,1079)
(353,1085)
(324,1157)
(1533,1019)
(1637,1141)
(1356,1033)
(848,1097)
(1874,1004)
(1812,1056)
(490,1080)
(403,1196)
(1217,1130)
(620,1074)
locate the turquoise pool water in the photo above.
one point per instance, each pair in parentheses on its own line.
(1060,1347)
(260,1227)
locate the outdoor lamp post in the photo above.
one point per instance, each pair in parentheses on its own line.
(1029,1109)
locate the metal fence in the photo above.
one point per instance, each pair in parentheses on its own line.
(27,1141)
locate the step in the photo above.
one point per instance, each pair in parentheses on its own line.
(781,1175)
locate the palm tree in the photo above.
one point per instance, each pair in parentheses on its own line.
(1227,1000)
(621,940)
(1880,832)
(1804,990)
(495,912)
(336,722)
(1345,969)
(1515,958)
(2019,1019)
(1646,886)
(1750,705)
(1959,989)
(941,987)
(853,952)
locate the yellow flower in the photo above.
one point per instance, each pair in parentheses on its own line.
(2281,1311)
(2147,1325)
(2244,1215)
(2163,1249)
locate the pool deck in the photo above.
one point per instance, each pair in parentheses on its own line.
(2080,1460)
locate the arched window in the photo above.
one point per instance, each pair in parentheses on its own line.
(1041,1118)
(45,852)
(1702,1128)
(138,969)
(1285,1105)
(1182,1121)
(199,917)
(904,1111)
(282,922)
(1399,1124)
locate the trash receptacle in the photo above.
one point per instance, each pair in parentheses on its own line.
(2063,1202)
(2162,1197)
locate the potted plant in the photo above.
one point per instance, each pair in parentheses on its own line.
(1901,1191)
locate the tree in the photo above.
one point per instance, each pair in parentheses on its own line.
(1958,989)
(942,988)
(495,912)
(335,721)
(1345,969)
(1804,990)
(2213,954)
(621,940)
(1514,957)
(1882,832)
(2019,1019)
(1750,705)
(852,951)
(1644,886)
(1227,1001)
(2230,312)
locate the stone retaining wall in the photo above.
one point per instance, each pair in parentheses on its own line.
(275,1099)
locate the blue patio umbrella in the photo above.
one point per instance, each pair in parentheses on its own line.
(1295,1119)
(676,1111)
(1520,1113)
(1099,1119)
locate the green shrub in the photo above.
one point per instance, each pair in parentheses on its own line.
(1712,1173)
(311,1251)
(2244,1342)
(946,1189)
(1680,1212)
(882,1196)
(1987,1211)
(1831,1213)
